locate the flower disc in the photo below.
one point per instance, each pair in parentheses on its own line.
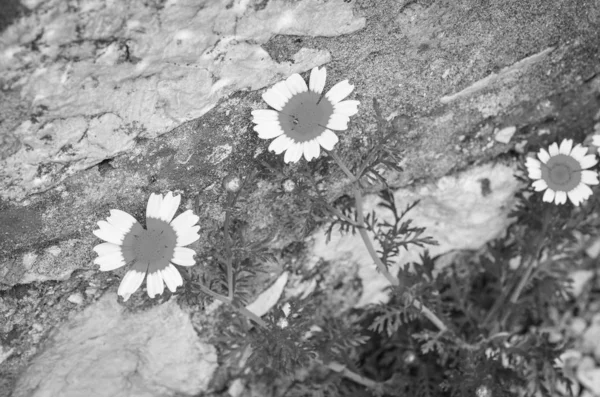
(562,173)
(154,246)
(304,117)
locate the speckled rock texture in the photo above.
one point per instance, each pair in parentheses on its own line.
(104,102)
(105,351)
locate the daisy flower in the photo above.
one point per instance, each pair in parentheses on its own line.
(561,172)
(303,118)
(151,251)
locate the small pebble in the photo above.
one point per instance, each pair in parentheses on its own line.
(76,298)
(505,134)
(236,389)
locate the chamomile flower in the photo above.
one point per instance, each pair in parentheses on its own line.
(151,251)
(562,172)
(303,119)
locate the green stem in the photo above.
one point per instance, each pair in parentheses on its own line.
(362,230)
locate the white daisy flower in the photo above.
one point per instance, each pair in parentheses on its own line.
(151,251)
(303,118)
(561,172)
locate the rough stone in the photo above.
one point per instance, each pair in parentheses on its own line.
(505,134)
(461,212)
(76,298)
(106,351)
(109,73)
(589,375)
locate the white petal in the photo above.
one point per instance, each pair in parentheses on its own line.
(121,220)
(274,99)
(264,115)
(588,161)
(106,249)
(589,177)
(317,79)
(283,90)
(560,197)
(268,130)
(108,232)
(339,91)
(293,154)
(535,173)
(171,277)
(183,256)
(153,207)
(553,149)
(169,206)
(530,162)
(543,156)
(155,284)
(574,196)
(338,122)
(328,139)
(130,283)
(296,84)
(539,185)
(346,108)
(578,152)
(280,144)
(548,196)
(565,147)
(312,150)
(585,190)
(188,237)
(596,140)
(184,221)
(110,262)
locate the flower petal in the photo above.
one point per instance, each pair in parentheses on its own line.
(548,195)
(155,284)
(172,277)
(184,221)
(553,149)
(279,145)
(339,91)
(565,147)
(108,232)
(317,79)
(596,140)
(589,177)
(130,283)
(264,115)
(543,156)
(121,220)
(283,90)
(169,206)
(539,185)
(110,262)
(153,207)
(188,237)
(560,197)
(588,161)
(530,162)
(274,99)
(575,196)
(183,256)
(293,154)
(346,108)
(534,173)
(296,84)
(106,249)
(328,139)
(268,130)
(578,152)
(312,150)
(338,122)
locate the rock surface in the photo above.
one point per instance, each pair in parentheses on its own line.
(105,351)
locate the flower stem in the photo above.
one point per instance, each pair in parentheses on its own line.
(362,230)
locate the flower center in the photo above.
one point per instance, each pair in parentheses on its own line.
(154,245)
(562,173)
(305,116)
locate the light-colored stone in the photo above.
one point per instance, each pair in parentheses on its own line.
(76,298)
(5,353)
(268,298)
(236,388)
(459,211)
(106,351)
(108,72)
(505,134)
(589,375)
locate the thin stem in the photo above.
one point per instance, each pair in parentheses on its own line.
(242,310)
(353,376)
(362,230)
